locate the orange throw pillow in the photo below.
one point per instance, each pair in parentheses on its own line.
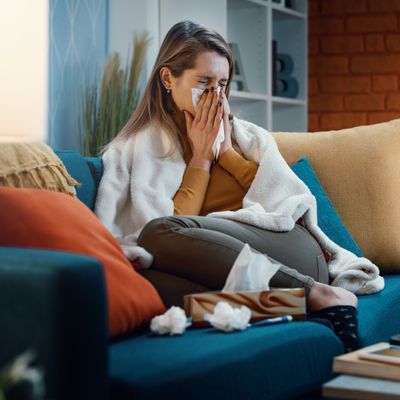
(43,219)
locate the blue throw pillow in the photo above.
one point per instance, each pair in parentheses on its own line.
(328,218)
(95,165)
(79,170)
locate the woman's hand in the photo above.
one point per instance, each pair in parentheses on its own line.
(227,143)
(203,129)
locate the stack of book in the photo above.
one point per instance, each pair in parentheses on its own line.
(369,373)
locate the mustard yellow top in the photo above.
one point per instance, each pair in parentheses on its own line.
(221,189)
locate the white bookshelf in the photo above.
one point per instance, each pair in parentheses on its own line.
(253,24)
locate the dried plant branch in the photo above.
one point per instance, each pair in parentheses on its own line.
(107,106)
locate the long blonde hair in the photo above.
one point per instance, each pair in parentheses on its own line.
(179,50)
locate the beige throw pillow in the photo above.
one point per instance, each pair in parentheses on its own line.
(359,169)
(34,165)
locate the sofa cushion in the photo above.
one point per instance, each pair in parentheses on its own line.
(359,169)
(272,362)
(95,165)
(79,169)
(43,219)
(328,218)
(378,313)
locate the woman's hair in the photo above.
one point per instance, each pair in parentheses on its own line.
(179,50)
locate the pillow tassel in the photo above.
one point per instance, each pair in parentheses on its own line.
(70,180)
(64,185)
(37,178)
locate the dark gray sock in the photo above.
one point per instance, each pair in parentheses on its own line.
(344,322)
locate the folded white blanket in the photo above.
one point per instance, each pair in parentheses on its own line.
(139,184)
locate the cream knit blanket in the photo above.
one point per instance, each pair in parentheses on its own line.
(138,185)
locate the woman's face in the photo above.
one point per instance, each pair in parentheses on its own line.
(210,70)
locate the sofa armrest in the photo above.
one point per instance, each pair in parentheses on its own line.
(55,303)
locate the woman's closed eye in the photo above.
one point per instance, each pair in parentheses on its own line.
(205,83)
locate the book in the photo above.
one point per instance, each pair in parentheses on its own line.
(352,364)
(356,387)
(262,304)
(387,354)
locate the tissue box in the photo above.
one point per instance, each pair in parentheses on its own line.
(262,304)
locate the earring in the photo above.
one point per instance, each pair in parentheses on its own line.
(169,91)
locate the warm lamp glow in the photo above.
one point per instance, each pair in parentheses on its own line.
(24,44)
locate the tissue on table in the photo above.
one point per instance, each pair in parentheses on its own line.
(196,94)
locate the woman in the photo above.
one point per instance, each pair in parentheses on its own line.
(194,251)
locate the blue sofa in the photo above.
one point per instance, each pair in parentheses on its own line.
(56,303)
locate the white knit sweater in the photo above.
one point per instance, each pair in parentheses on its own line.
(139,184)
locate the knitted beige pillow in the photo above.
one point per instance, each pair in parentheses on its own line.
(34,165)
(359,169)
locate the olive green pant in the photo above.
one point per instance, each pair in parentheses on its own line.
(195,254)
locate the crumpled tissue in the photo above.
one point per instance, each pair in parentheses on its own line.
(228,318)
(251,271)
(196,94)
(173,321)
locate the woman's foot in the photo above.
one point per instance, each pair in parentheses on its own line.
(336,308)
(322,296)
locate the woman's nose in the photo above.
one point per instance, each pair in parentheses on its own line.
(213,87)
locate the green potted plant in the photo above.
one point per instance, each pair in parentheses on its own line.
(108,104)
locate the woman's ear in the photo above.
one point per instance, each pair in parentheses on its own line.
(165,76)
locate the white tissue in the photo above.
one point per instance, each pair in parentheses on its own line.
(196,93)
(173,321)
(228,318)
(250,271)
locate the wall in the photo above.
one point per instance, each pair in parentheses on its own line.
(24,40)
(78,47)
(82,35)
(354,62)
(210,13)
(127,17)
